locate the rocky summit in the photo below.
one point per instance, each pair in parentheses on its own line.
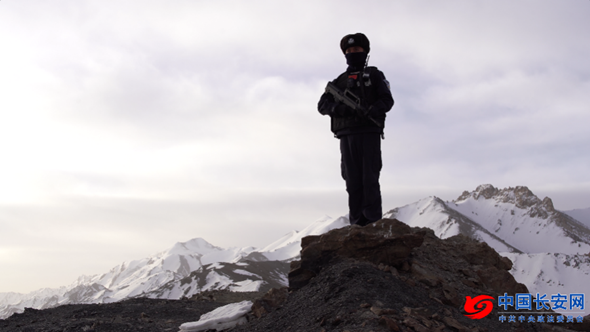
(388,276)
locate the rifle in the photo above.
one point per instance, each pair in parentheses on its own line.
(351,100)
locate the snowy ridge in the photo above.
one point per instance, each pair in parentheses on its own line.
(183,270)
(435,214)
(237,277)
(523,220)
(138,277)
(509,220)
(288,246)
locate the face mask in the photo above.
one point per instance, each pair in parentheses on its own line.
(356,60)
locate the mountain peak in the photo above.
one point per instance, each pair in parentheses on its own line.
(486,190)
(196,245)
(521,196)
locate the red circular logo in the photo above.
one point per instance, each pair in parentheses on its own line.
(479,306)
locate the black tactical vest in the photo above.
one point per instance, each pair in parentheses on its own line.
(361,84)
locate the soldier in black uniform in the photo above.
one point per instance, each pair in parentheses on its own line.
(360,134)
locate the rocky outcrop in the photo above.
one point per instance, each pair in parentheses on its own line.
(384,242)
(389,277)
(395,245)
(272,300)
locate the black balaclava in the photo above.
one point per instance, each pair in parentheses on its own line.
(356,60)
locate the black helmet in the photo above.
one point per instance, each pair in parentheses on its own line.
(357,39)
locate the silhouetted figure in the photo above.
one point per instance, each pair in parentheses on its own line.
(356,102)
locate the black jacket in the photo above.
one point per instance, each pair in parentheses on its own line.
(372,88)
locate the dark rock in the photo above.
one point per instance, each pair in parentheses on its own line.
(140,314)
(486,190)
(270,301)
(387,241)
(548,204)
(389,323)
(450,295)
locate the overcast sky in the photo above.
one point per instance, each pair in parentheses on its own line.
(128,126)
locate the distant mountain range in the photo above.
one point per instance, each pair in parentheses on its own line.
(550,250)
(181,271)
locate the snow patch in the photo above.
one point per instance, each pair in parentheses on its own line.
(246,273)
(246,286)
(221,318)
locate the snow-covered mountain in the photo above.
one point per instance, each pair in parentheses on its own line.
(509,220)
(183,270)
(550,250)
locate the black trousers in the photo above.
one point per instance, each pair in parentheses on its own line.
(361,164)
